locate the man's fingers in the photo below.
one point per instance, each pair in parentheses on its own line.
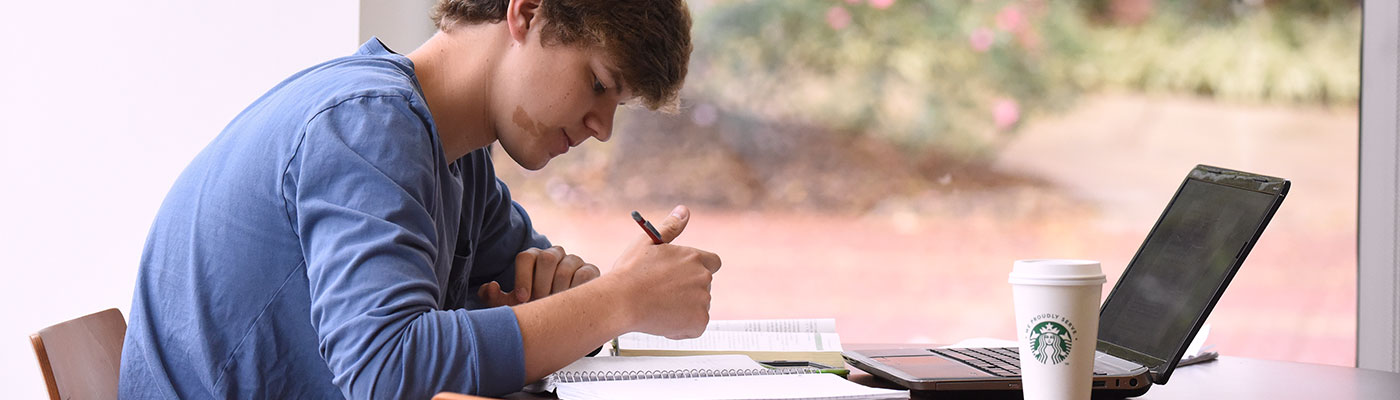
(710,260)
(564,274)
(491,294)
(525,274)
(585,273)
(673,224)
(545,264)
(484,293)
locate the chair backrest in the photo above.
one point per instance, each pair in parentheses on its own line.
(80,358)
(457,396)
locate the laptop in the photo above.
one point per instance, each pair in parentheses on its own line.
(1154,311)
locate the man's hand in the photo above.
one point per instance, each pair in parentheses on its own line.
(668,286)
(661,289)
(538,274)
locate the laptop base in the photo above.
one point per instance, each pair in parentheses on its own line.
(949,379)
(1013,394)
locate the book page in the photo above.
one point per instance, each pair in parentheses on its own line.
(736,341)
(645,364)
(774,325)
(809,386)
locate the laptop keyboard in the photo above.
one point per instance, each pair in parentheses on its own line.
(1000,361)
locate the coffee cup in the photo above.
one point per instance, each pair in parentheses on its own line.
(1057,324)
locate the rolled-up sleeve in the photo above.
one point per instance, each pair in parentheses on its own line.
(365,208)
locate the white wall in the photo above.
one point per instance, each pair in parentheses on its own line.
(101,106)
(1378,274)
(400,24)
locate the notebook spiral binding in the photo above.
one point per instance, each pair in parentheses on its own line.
(594,376)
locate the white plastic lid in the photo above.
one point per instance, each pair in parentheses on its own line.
(1057,272)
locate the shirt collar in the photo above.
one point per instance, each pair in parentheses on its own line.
(374,47)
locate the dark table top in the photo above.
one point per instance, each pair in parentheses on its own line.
(1247,378)
(1236,378)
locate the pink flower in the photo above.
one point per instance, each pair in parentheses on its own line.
(981,39)
(838,17)
(1011,19)
(881,4)
(1005,113)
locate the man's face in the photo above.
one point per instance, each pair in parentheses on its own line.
(554,98)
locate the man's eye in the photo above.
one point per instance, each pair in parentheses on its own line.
(598,86)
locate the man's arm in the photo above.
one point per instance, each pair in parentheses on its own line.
(502,229)
(364,190)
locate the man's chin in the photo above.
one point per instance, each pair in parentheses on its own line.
(535,165)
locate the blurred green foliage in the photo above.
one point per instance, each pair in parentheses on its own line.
(1304,52)
(963,75)
(909,72)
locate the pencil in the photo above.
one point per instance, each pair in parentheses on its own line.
(646,227)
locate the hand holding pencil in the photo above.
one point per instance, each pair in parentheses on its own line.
(667,286)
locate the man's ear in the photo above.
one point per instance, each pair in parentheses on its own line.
(520,16)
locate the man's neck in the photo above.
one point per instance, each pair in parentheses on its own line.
(455,72)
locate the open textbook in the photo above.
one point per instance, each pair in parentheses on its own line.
(731,376)
(813,340)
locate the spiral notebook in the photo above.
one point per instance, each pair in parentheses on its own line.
(701,377)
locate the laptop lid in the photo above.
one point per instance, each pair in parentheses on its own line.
(1189,257)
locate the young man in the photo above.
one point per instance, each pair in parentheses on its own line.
(346,236)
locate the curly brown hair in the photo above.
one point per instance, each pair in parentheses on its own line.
(649,40)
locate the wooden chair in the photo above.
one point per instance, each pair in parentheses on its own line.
(80,357)
(457,396)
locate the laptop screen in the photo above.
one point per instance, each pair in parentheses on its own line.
(1173,281)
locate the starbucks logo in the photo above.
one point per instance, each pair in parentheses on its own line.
(1050,342)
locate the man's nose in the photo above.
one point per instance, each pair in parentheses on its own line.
(600,120)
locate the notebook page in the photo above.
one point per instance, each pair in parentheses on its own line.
(774,325)
(614,368)
(809,386)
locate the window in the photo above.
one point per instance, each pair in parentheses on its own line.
(883,162)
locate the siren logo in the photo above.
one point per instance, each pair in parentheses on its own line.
(1050,337)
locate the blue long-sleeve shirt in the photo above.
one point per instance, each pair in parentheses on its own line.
(323,247)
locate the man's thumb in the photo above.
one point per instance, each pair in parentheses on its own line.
(672,226)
